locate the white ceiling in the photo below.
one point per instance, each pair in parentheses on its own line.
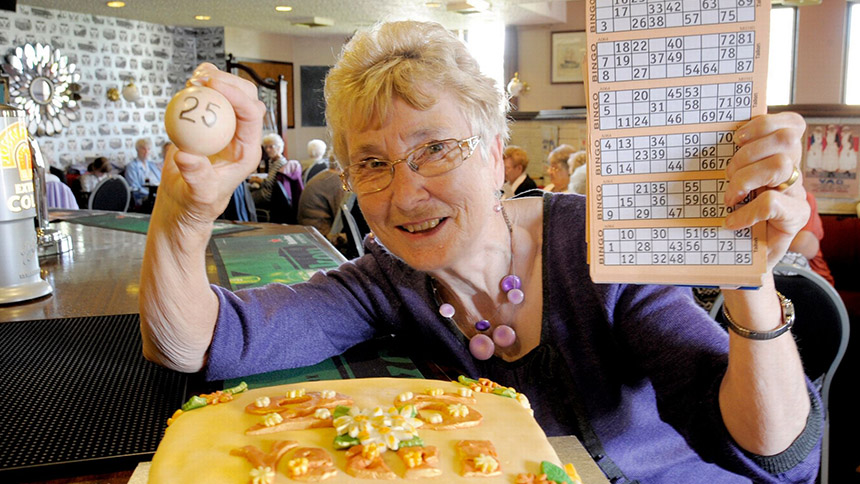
(348,15)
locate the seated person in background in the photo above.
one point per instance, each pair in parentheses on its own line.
(516,179)
(579,176)
(664,394)
(164,148)
(320,201)
(261,190)
(142,173)
(317,162)
(558,168)
(98,170)
(807,243)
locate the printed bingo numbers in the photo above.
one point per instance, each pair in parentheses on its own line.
(669,81)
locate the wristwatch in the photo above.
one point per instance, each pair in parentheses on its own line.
(787,322)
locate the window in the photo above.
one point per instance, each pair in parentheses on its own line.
(852,64)
(780,72)
(486,41)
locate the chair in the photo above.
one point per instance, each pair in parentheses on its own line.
(282,210)
(821,330)
(112,193)
(241,207)
(350,221)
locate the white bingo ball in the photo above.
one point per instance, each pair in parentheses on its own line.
(200,120)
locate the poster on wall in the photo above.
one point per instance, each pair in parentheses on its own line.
(830,160)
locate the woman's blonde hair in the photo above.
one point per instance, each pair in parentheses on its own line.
(415,61)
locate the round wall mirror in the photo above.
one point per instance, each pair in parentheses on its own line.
(41,90)
(43,83)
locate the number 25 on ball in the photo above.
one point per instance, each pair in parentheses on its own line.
(200,121)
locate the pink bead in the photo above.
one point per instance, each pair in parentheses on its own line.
(516,296)
(504,335)
(481,346)
(446,310)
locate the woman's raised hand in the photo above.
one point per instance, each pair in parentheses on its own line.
(197,188)
(768,157)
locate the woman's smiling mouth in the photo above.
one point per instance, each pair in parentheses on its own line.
(429,224)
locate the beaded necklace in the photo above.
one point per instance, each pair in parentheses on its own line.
(482,346)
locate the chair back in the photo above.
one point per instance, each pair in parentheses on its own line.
(112,193)
(821,327)
(241,207)
(821,330)
(282,210)
(353,225)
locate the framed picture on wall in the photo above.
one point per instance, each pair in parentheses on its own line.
(567,52)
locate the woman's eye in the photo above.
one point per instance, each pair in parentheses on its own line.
(435,148)
(375,164)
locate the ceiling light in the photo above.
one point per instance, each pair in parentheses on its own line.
(433,4)
(469,6)
(314,22)
(283,8)
(116,4)
(202,17)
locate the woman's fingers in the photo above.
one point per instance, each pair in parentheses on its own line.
(769,150)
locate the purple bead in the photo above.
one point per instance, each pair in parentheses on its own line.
(515,296)
(481,347)
(482,325)
(504,335)
(511,282)
(446,310)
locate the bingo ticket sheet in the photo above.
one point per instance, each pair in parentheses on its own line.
(668,83)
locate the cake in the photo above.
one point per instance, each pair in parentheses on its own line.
(362,430)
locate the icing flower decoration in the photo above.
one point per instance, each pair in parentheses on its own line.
(486,463)
(262,475)
(272,419)
(298,466)
(458,410)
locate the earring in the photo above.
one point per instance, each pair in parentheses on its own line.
(497,207)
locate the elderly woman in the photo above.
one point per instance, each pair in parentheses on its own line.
(649,383)
(559,169)
(273,145)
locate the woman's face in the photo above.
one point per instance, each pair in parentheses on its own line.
(558,175)
(272,150)
(430,223)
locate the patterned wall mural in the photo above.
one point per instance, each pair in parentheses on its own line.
(108,52)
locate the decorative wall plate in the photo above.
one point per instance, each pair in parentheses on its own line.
(43,83)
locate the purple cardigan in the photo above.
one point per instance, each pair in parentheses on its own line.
(638,367)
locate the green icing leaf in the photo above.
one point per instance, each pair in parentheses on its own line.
(554,473)
(241,387)
(413,414)
(340,411)
(505,392)
(345,441)
(194,402)
(464,380)
(413,442)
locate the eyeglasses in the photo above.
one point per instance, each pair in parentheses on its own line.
(428,160)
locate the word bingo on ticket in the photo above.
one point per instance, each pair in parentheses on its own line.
(669,82)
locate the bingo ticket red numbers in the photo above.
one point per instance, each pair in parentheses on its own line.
(669,82)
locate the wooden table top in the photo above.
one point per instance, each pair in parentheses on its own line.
(100,275)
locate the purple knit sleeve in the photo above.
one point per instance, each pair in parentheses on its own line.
(278,326)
